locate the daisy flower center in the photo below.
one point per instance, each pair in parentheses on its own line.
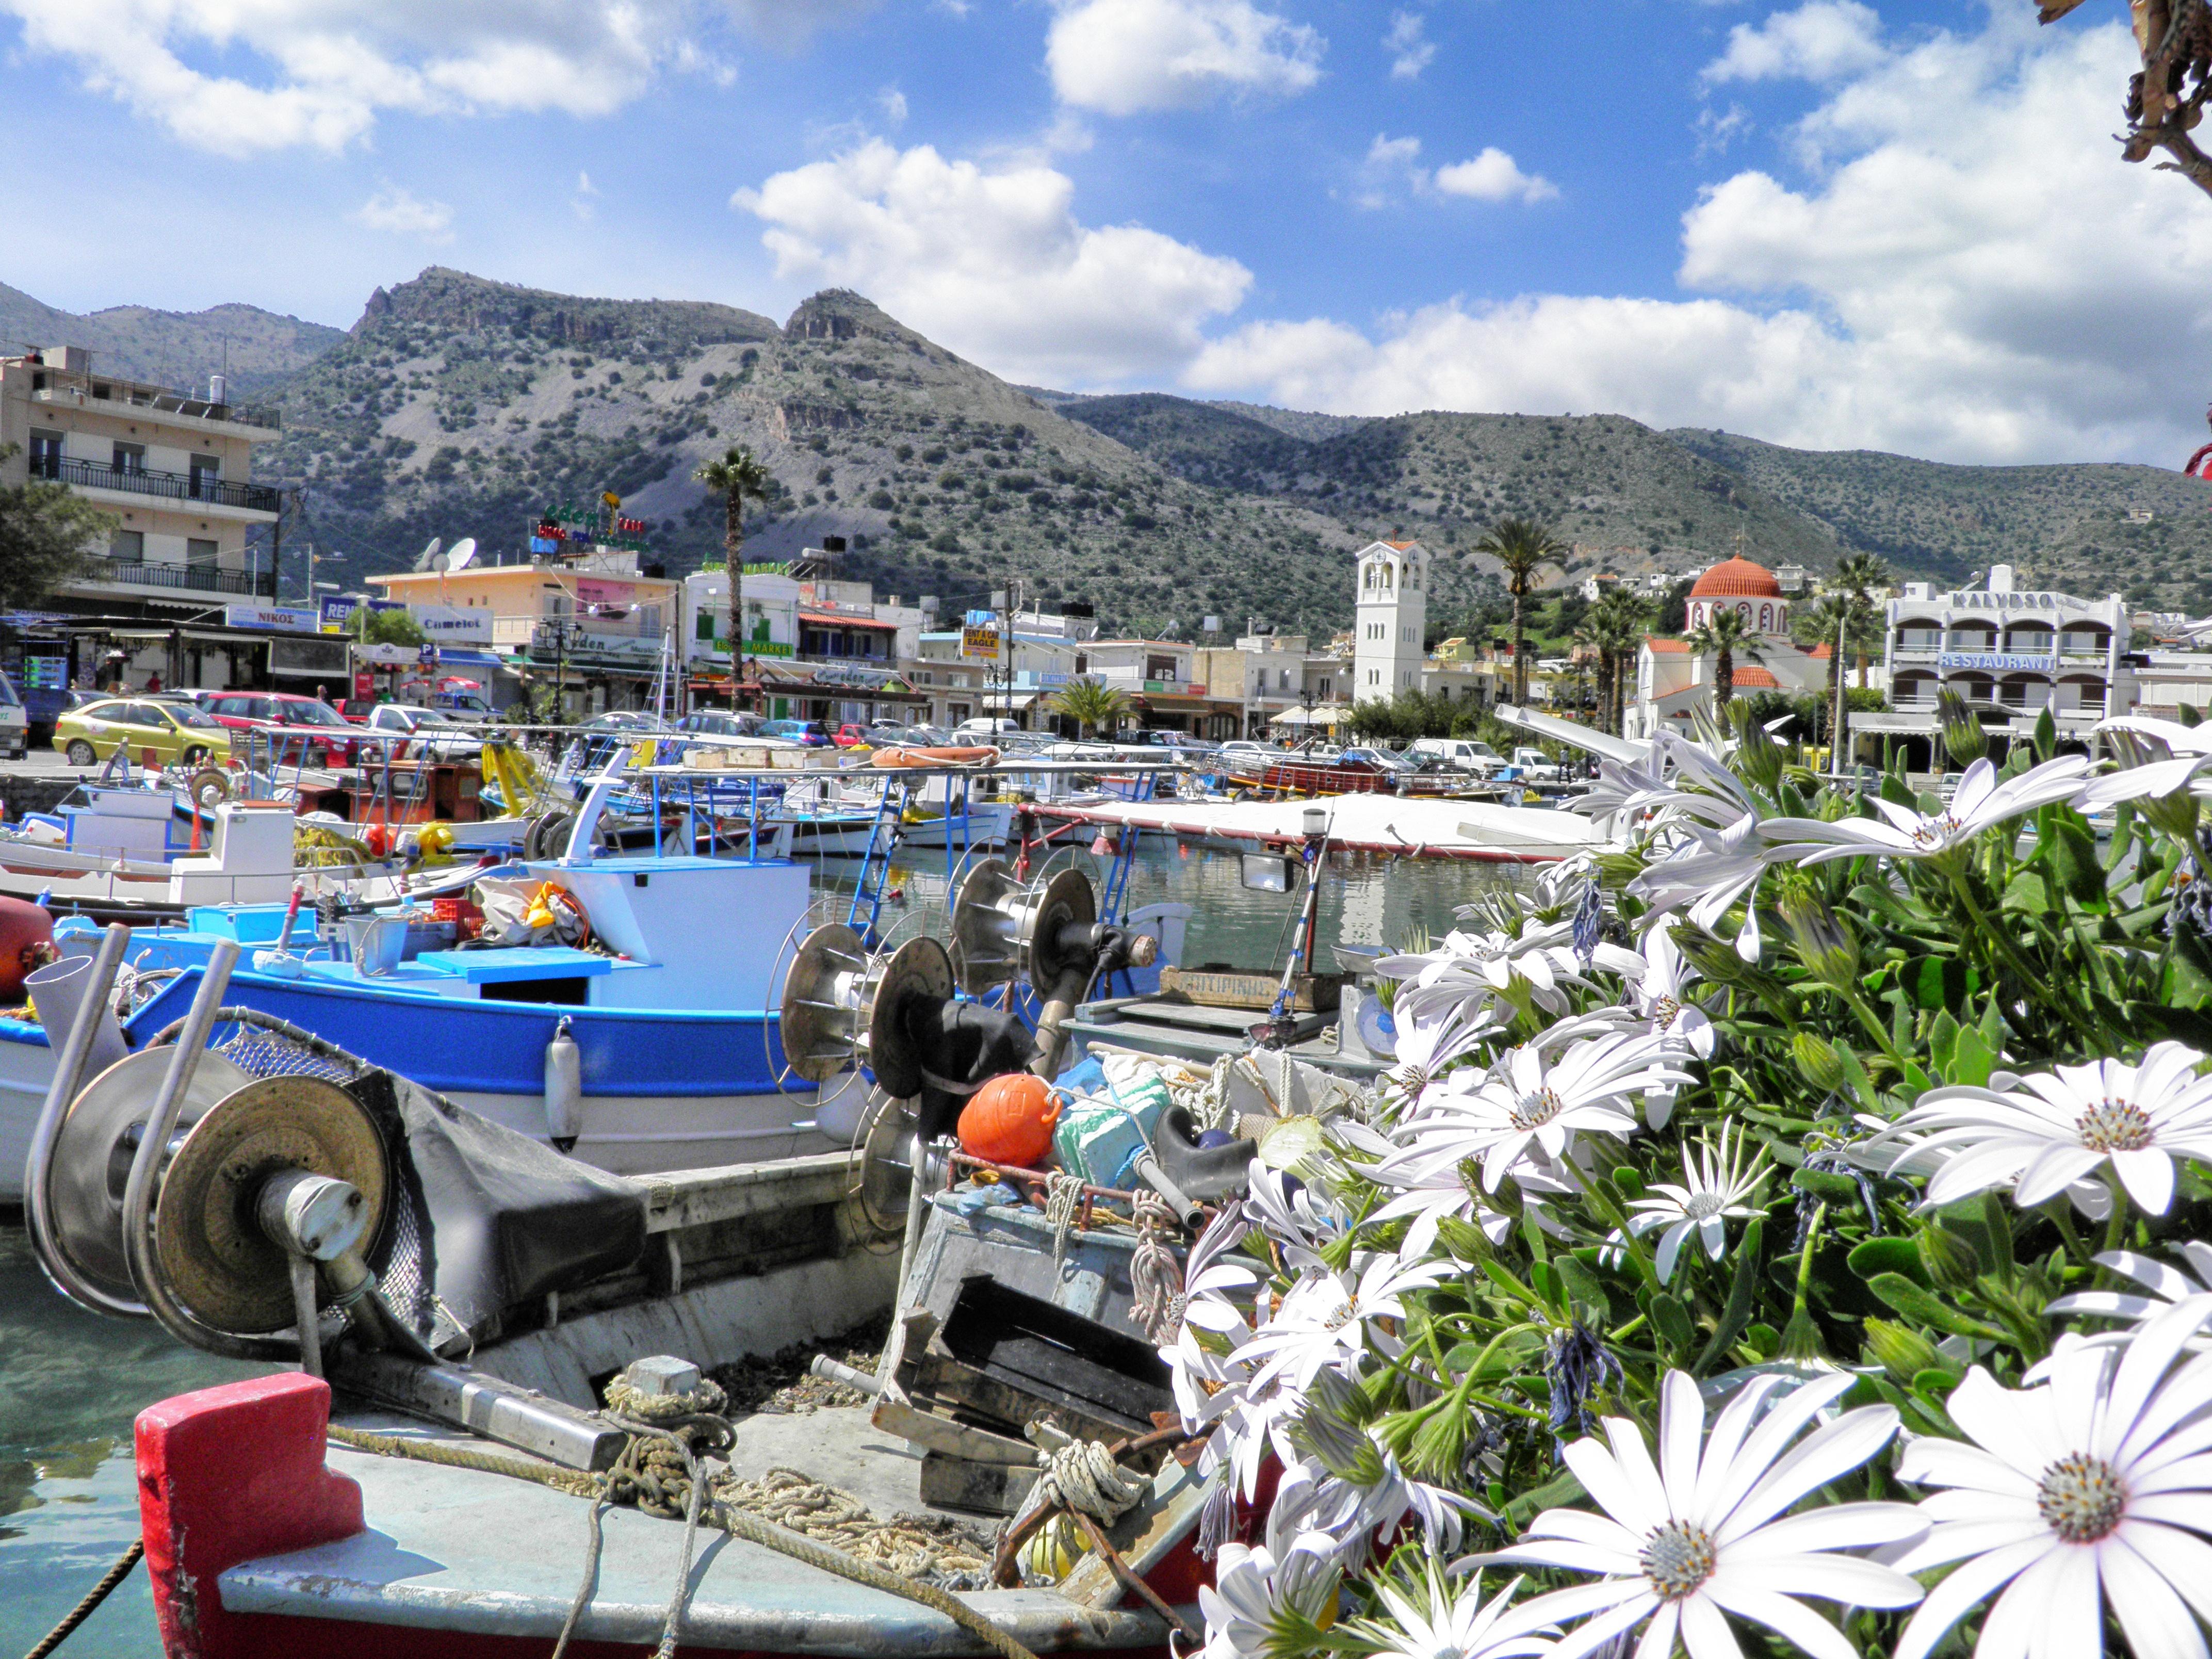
(2115,1126)
(1537,1109)
(1665,1011)
(2081,1498)
(1410,1077)
(1342,1316)
(1678,1557)
(1702,1207)
(1935,831)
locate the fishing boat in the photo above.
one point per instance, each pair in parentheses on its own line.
(499,1347)
(1356,771)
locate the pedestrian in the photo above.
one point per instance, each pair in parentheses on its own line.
(153,683)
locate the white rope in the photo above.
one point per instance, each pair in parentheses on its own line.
(1063,1196)
(1083,1475)
(1156,1308)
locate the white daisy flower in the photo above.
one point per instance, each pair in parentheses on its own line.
(1705,1534)
(1715,1185)
(1324,1318)
(1263,1599)
(1978,803)
(1444,1625)
(2050,1130)
(1661,999)
(1428,1042)
(2166,1285)
(2090,1487)
(1536,1102)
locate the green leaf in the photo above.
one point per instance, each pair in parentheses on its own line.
(1973,1061)
(1887,1255)
(1942,1041)
(1559,1491)
(1630,1182)
(2027,892)
(1545,1277)
(1578,1281)
(1924,1307)
(1826,1183)
(1743,1292)
(2046,735)
(2069,850)
(1672,1321)
(1936,982)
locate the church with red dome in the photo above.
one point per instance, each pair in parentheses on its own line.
(1672,681)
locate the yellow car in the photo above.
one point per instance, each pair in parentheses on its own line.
(172,732)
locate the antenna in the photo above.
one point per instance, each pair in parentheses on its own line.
(464,550)
(428,558)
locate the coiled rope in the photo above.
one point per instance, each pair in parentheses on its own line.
(1157,1305)
(1063,1197)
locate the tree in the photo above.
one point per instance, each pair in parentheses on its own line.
(373,627)
(47,537)
(1616,626)
(2166,100)
(1856,577)
(1091,704)
(1522,547)
(734,475)
(1725,637)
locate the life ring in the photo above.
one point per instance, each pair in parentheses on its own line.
(983,757)
(210,787)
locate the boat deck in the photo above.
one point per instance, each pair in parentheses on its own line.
(459,1550)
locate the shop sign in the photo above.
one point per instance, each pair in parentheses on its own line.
(1997,661)
(272,618)
(336,609)
(454,624)
(979,642)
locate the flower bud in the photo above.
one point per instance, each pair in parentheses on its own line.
(2175,813)
(1962,733)
(1819,938)
(1817,1059)
(1714,959)
(1951,1262)
(1898,1349)
(1759,758)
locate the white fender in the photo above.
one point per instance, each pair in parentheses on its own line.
(564,1088)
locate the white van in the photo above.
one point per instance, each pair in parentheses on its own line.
(1469,754)
(985,728)
(15,721)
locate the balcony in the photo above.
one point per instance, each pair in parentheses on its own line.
(167,486)
(186,578)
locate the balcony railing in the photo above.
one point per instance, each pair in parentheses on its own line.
(189,578)
(172,486)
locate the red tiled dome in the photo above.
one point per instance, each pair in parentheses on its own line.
(1737,579)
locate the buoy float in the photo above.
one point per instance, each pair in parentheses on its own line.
(1009,1120)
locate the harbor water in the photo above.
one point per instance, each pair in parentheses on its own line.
(70,1382)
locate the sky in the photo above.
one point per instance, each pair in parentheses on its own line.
(1901,225)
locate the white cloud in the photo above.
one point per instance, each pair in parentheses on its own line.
(1494,176)
(1411,50)
(582,201)
(1121,56)
(394,210)
(1971,273)
(1821,40)
(994,263)
(319,73)
(892,103)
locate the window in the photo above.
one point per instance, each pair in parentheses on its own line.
(127,547)
(702,625)
(200,551)
(130,458)
(648,621)
(206,472)
(46,453)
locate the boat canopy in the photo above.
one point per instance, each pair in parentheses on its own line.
(1369,824)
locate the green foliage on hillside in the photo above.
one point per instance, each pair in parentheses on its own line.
(174,348)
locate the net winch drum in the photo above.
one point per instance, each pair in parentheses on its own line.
(1006,930)
(844,1006)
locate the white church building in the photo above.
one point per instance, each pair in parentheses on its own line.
(1391,620)
(1671,680)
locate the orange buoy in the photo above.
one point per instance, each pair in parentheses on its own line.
(27,944)
(1009,1120)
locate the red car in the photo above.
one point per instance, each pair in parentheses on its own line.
(850,735)
(300,728)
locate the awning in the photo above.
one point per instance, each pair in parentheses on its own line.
(471,659)
(826,619)
(204,635)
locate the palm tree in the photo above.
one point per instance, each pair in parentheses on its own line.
(1522,546)
(1091,704)
(1827,621)
(1856,577)
(1616,625)
(1724,637)
(734,475)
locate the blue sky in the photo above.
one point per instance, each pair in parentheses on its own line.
(1831,223)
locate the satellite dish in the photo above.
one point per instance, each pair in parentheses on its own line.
(427,559)
(464,550)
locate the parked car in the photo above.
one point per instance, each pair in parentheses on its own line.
(721,723)
(1469,754)
(468,707)
(637,721)
(851,735)
(358,710)
(431,733)
(15,721)
(299,727)
(174,732)
(810,733)
(983,728)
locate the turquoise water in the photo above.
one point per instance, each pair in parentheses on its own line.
(70,1382)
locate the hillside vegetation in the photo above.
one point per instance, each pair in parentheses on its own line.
(460,406)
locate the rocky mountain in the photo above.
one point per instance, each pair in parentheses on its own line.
(2090,529)
(177,349)
(461,406)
